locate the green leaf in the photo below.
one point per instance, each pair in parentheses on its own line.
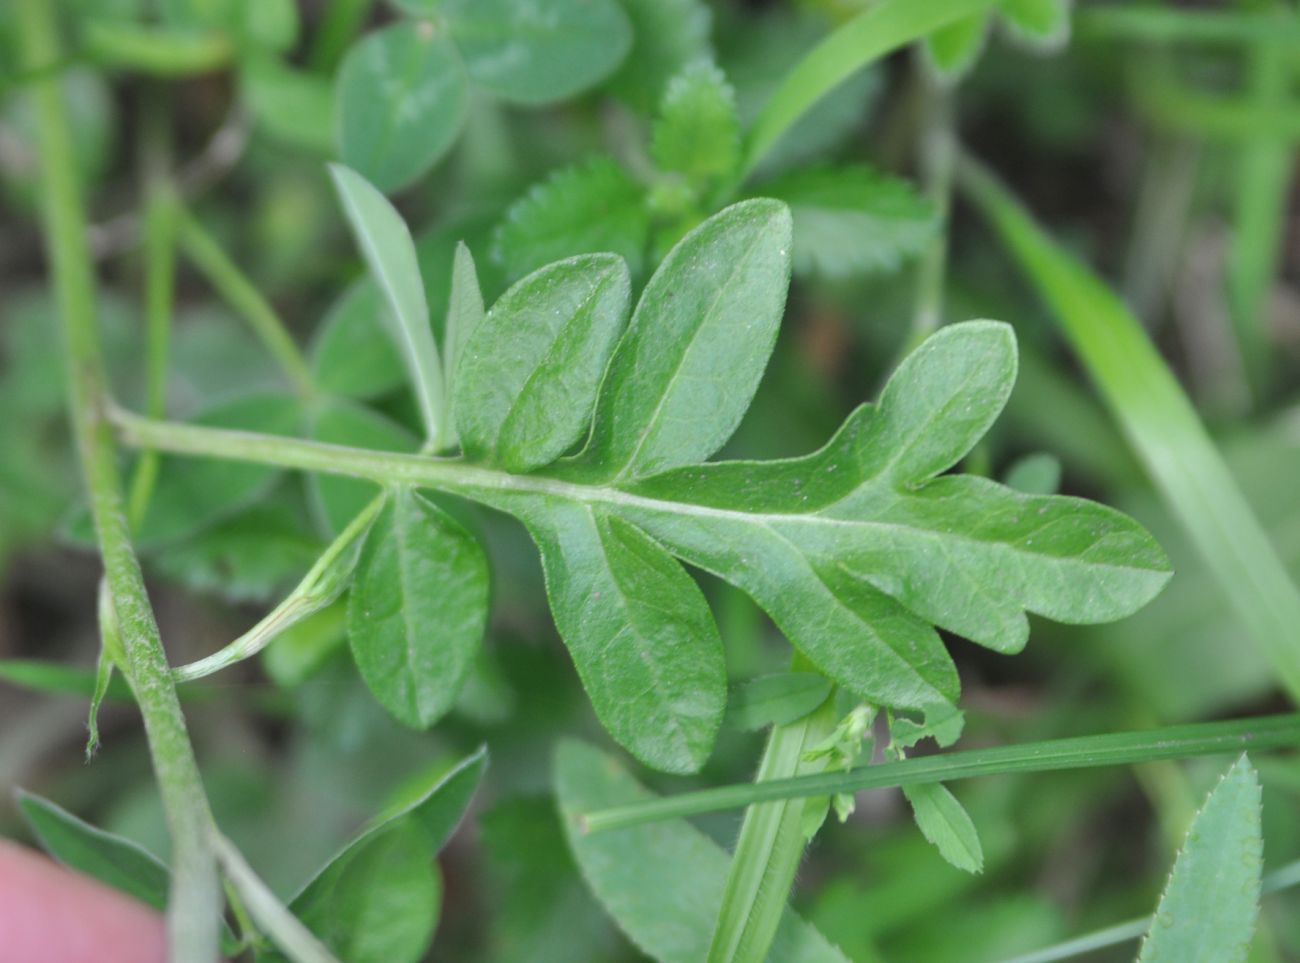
(464,312)
(1211,901)
(953,49)
(401,102)
(776,699)
(291,105)
(946,824)
(697,132)
(640,632)
(666,36)
(880,29)
(377,900)
(351,354)
(389,252)
(418,608)
(685,372)
(111,859)
(1043,24)
(538,53)
(42,676)
(662,884)
(857,549)
(851,220)
(527,381)
(337,500)
(587,208)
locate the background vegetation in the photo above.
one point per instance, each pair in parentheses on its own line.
(1153,142)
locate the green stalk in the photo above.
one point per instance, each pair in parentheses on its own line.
(1162,426)
(242,295)
(770,846)
(1260,192)
(879,30)
(1080,752)
(194,909)
(159,289)
(938,150)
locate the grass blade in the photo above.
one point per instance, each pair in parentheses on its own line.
(1161,425)
(877,31)
(1080,752)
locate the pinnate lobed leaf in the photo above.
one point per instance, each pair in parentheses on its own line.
(527,380)
(418,608)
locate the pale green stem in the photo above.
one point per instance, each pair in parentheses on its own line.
(242,295)
(272,917)
(195,902)
(770,846)
(160,275)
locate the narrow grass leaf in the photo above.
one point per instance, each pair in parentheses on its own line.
(662,884)
(877,31)
(1208,910)
(389,253)
(418,608)
(1162,426)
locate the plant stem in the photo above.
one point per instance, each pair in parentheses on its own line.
(1282,878)
(160,276)
(1081,752)
(938,158)
(242,295)
(770,846)
(271,916)
(194,907)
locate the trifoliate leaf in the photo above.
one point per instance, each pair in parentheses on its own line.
(401,102)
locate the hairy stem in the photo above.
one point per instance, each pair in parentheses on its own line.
(195,902)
